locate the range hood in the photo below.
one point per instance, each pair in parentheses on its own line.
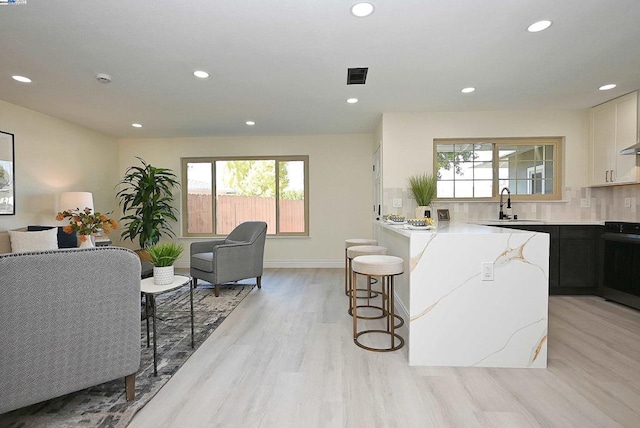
(632,150)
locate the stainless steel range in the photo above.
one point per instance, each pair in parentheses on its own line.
(621,276)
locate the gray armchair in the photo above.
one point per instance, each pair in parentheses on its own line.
(239,256)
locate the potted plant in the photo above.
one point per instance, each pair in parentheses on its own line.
(423,188)
(145,197)
(163,256)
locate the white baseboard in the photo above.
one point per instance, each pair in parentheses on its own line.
(290,264)
(400,307)
(304,264)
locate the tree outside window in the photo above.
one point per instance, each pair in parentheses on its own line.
(267,189)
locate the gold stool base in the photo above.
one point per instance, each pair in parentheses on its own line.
(369,348)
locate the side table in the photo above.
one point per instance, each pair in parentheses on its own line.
(150,291)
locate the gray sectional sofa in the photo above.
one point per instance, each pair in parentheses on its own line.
(69,319)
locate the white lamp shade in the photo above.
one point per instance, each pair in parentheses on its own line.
(76,200)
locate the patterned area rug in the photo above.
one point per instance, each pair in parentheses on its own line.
(105,405)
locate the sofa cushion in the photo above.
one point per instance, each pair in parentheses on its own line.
(202,261)
(22,242)
(5,242)
(65,240)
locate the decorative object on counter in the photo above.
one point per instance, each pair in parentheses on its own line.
(146,197)
(163,257)
(423,188)
(420,223)
(7,168)
(86,223)
(443,215)
(396,218)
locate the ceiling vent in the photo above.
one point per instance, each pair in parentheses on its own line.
(357,76)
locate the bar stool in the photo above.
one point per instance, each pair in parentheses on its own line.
(386,268)
(352,243)
(353,252)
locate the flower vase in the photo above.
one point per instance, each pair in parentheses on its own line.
(423,211)
(87,242)
(163,275)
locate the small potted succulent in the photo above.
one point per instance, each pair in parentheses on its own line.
(163,256)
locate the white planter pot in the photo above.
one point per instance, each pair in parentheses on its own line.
(163,275)
(423,210)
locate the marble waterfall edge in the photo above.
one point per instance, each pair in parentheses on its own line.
(456,318)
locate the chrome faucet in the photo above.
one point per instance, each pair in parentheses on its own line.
(502,215)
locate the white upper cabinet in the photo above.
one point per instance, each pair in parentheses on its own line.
(614,127)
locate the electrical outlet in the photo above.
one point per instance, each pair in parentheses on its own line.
(487,271)
(627,202)
(397,203)
(585,203)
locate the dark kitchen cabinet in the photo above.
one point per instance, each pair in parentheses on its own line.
(579,259)
(574,257)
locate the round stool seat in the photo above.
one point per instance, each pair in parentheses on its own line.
(377,265)
(363,250)
(359,241)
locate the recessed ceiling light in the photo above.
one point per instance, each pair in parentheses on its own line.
(538,26)
(607,87)
(352,100)
(21,79)
(468,90)
(362,9)
(136,125)
(250,122)
(201,74)
(103,78)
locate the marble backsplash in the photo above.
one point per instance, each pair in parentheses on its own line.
(578,204)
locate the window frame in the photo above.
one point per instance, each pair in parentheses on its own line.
(212,160)
(556,142)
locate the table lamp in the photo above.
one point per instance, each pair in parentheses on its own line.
(73,200)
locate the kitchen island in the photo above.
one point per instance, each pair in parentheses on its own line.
(455,316)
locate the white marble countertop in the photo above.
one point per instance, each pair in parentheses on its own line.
(540,222)
(448,227)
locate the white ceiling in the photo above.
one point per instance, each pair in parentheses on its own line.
(283,63)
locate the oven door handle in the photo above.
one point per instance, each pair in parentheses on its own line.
(621,237)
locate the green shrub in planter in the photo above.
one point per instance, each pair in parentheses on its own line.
(163,255)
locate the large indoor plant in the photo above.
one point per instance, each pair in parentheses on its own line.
(423,188)
(146,197)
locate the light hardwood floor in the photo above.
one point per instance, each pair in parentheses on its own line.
(285,357)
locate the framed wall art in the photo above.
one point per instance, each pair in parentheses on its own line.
(7,168)
(443,215)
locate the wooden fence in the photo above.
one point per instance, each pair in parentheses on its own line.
(233,210)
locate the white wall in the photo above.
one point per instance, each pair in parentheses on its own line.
(340,187)
(408,149)
(408,137)
(52,156)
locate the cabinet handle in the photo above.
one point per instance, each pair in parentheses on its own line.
(606,176)
(612,175)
